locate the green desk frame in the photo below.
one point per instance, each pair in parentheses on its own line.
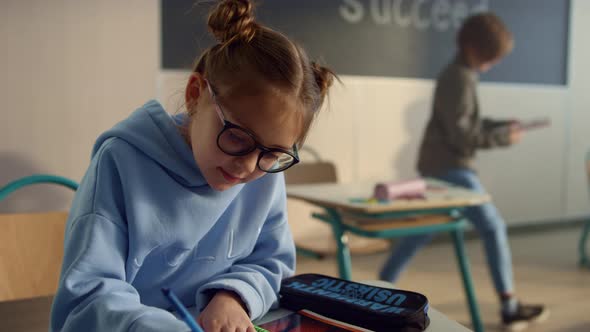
(584,259)
(455,227)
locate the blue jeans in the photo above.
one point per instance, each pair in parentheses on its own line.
(487,221)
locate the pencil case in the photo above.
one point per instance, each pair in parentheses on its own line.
(400,189)
(370,307)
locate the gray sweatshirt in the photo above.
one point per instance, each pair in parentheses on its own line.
(455,129)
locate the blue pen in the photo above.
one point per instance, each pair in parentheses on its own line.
(180,308)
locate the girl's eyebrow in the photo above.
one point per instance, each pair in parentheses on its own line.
(281,147)
(228,114)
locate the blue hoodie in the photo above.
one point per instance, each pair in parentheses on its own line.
(145,218)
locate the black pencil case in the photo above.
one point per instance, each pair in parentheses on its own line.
(370,307)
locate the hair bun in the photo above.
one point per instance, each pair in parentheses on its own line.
(324,78)
(233,19)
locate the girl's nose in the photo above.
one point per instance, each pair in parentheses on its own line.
(248,162)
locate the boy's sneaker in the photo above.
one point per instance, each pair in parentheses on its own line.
(524,316)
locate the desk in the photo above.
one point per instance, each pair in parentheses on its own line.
(344,202)
(438,321)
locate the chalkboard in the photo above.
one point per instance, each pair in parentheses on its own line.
(392,38)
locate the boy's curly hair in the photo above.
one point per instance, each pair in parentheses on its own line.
(486,35)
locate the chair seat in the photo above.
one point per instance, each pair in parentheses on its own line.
(31,250)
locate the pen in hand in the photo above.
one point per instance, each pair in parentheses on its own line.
(181,309)
(186,316)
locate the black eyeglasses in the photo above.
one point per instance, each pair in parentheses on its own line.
(237,141)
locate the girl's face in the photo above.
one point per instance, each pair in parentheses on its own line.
(269,114)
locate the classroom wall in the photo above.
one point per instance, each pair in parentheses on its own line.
(373,125)
(71,69)
(577,121)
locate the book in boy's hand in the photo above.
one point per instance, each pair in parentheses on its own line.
(307,321)
(534,123)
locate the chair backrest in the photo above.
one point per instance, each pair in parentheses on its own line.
(31,251)
(31,245)
(311,172)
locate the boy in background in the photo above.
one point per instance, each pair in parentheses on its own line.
(454,133)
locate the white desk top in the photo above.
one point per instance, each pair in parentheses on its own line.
(350,197)
(438,321)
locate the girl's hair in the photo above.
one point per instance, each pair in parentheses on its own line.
(486,35)
(249,53)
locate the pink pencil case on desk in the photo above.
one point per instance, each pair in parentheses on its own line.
(400,189)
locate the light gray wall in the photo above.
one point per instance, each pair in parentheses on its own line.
(69,70)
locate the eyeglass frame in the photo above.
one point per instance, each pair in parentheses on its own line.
(257,145)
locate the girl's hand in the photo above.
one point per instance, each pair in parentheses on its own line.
(225,313)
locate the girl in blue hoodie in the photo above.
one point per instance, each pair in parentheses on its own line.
(196,201)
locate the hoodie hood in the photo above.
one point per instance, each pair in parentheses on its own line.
(156,133)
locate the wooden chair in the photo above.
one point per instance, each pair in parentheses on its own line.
(31,245)
(584,260)
(320,171)
(304,173)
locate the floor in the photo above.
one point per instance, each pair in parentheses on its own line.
(545,272)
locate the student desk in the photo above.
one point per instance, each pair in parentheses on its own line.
(346,209)
(438,321)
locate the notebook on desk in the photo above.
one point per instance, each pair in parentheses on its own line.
(308,321)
